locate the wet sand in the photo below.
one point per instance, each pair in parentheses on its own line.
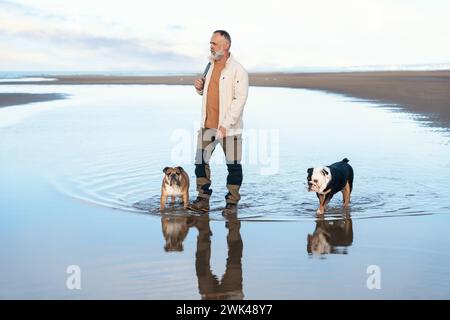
(67,174)
(426,92)
(10,99)
(422,92)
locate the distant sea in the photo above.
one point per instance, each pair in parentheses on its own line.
(394,67)
(46,73)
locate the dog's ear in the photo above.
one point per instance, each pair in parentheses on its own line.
(181,169)
(325,172)
(310,171)
(165,169)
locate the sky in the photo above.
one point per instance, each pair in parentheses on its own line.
(173,35)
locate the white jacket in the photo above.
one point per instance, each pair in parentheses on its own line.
(233,91)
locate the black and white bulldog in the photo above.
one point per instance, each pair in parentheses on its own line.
(327,181)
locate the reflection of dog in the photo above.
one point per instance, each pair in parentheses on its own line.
(175,230)
(327,181)
(175,184)
(329,235)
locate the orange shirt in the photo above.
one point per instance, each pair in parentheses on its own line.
(212,99)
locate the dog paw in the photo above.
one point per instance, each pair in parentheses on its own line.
(319,211)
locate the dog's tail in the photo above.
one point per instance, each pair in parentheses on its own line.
(345,160)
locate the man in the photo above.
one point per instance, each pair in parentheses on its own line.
(224,89)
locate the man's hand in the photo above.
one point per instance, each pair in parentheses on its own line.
(199,84)
(221,132)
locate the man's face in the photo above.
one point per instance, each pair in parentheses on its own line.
(217,46)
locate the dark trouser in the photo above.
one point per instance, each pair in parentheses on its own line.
(232,147)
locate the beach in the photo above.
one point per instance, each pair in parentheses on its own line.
(81,184)
(10,99)
(422,92)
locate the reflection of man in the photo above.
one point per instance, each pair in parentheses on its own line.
(329,235)
(224,88)
(230,287)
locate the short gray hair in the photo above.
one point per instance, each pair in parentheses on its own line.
(225,34)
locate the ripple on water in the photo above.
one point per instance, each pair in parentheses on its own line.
(127,187)
(400,168)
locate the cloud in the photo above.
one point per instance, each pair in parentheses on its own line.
(23,10)
(122,51)
(176,28)
(129,46)
(303,34)
(8,5)
(30,34)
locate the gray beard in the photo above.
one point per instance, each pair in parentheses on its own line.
(217,56)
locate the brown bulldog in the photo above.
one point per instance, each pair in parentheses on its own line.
(175,184)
